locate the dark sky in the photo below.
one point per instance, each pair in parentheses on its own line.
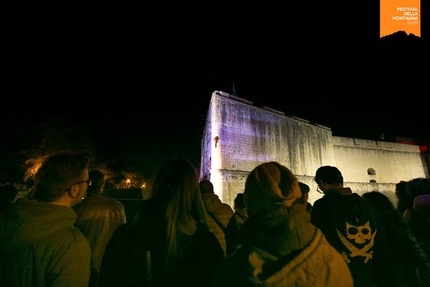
(148,69)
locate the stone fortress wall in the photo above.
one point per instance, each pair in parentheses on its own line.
(238,136)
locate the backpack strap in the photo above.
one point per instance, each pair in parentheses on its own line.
(218,222)
(241,215)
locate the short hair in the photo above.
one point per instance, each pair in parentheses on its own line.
(98,178)
(304,188)
(8,194)
(239,201)
(400,190)
(328,174)
(206,186)
(418,186)
(58,173)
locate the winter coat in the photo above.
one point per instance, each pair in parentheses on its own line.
(222,212)
(136,254)
(39,247)
(98,216)
(283,249)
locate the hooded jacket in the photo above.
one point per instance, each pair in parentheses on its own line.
(350,224)
(278,244)
(39,246)
(281,248)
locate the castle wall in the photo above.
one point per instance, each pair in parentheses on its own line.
(238,136)
(369,165)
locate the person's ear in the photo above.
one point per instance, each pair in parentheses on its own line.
(323,185)
(74,191)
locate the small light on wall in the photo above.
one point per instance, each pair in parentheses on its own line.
(216,139)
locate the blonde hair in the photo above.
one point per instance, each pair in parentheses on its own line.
(176,187)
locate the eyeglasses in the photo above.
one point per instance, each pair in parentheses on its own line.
(319,190)
(89,182)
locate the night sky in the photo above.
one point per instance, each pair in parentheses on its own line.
(145,71)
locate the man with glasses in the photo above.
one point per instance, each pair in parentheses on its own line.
(39,245)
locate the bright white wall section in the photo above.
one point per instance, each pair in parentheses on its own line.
(238,136)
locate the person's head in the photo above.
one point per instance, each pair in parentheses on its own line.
(176,191)
(270,186)
(422,203)
(274,215)
(404,201)
(206,186)
(239,201)
(400,190)
(418,186)
(8,194)
(382,203)
(327,177)
(304,188)
(98,182)
(176,184)
(62,179)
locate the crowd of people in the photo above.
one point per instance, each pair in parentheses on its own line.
(68,232)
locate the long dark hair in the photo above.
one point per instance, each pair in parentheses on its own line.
(176,187)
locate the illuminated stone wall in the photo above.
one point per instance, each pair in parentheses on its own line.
(369,165)
(238,136)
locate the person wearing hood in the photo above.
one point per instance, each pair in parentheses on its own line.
(39,244)
(278,244)
(352,226)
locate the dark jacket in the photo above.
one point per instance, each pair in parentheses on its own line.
(418,219)
(232,230)
(352,226)
(137,249)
